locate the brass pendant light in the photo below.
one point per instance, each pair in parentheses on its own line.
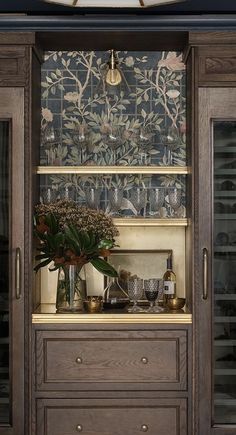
(112,3)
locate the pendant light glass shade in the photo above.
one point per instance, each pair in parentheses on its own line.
(112,3)
(112,80)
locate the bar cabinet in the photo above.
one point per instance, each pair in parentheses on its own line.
(122,373)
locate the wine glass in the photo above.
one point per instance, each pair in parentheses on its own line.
(115,196)
(92,196)
(151,288)
(156,198)
(174,195)
(135,292)
(139,198)
(49,141)
(170,138)
(48,195)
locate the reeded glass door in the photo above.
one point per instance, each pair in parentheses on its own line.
(12,330)
(224,271)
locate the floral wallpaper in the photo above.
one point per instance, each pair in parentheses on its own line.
(139,122)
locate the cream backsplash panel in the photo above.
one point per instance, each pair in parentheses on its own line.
(130,238)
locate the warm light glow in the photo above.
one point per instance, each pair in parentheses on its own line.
(112,3)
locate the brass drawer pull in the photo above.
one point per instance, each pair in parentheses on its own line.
(144,360)
(144,428)
(79,428)
(79,360)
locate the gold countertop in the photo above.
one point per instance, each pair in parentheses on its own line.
(46,313)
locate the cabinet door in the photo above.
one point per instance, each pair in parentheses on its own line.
(215,273)
(11,261)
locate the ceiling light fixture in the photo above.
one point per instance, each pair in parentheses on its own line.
(112,3)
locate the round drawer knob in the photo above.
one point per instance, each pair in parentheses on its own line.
(79,360)
(144,428)
(79,428)
(144,360)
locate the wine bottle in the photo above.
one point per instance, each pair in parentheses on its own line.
(169,279)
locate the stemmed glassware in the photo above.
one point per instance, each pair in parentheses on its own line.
(174,195)
(156,199)
(170,138)
(48,195)
(139,198)
(151,288)
(49,141)
(92,196)
(115,197)
(135,292)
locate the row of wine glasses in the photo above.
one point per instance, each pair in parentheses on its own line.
(151,289)
(113,136)
(138,196)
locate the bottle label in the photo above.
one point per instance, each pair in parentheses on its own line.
(169,287)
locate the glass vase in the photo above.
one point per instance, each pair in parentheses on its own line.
(71,289)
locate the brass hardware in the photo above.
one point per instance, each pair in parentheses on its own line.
(79,360)
(205,274)
(144,360)
(18,273)
(79,428)
(80,170)
(175,304)
(144,428)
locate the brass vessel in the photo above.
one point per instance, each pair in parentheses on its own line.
(93,304)
(175,304)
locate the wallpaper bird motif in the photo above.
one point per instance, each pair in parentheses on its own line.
(139,123)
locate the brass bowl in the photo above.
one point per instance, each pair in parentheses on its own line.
(93,304)
(175,304)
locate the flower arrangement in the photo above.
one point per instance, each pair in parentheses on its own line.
(69,234)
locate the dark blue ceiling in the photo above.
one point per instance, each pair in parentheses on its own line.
(188,6)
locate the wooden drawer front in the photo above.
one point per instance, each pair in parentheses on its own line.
(217,65)
(12,65)
(111,360)
(107,417)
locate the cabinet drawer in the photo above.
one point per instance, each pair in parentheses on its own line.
(108,360)
(110,417)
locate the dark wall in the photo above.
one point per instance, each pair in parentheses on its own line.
(188,6)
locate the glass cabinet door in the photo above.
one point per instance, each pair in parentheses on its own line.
(4,274)
(224,271)
(215,261)
(11,261)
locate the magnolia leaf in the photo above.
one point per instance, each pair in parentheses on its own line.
(103,267)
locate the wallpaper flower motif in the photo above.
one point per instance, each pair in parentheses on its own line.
(81,125)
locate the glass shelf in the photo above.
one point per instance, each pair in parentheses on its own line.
(144,222)
(182,170)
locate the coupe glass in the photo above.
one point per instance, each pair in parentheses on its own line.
(115,197)
(156,199)
(174,198)
(139,198)
(135,292)
(151,288)
(92,196)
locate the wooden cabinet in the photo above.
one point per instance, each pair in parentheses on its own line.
(214,221)
(114,379)
(16,66)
